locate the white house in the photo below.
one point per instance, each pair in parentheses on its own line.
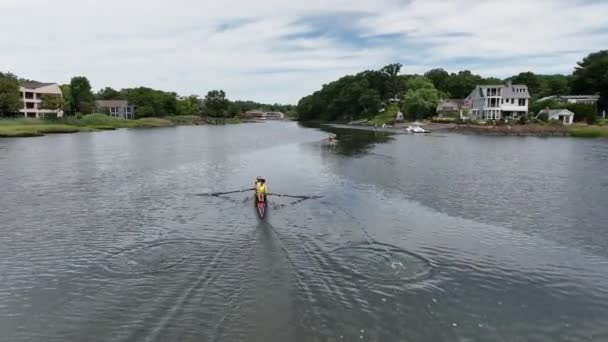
(563,115)
(495,102)
(31,96)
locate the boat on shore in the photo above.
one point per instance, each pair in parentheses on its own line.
(416,129)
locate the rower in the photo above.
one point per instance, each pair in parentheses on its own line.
(260,189)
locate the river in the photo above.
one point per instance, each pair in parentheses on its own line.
(113,236)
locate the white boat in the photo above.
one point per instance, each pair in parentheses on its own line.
(416,129)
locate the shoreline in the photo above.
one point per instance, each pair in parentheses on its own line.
(26,128)
(529,130)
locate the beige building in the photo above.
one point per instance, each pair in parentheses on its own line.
(31,96)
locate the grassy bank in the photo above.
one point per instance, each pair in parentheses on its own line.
(589,131)
(387,117)
(23,127)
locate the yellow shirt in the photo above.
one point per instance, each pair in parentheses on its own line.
(260,188)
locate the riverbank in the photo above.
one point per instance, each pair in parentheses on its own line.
(540,130)
(12,128)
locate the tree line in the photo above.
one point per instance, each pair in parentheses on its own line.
(79,99)
(362,95)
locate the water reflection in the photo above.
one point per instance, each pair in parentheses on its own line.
(352,142)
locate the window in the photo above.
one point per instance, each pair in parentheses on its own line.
(29,95)
(512,101)
(29,105)
(522,102)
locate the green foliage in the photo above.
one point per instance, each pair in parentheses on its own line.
(392,84)
(537,106)
(445,120)
(387,117)
(216,103)
(67,99)
(439,77)
(462,84)
(108,93)
(588,132)
(81,97)
(191,105)
(10,100)
(523,120)
(591,76)
(186,119)
(151,102)
(543,85)
(234,110)
(544,117)
(50,101)
(419,82)
(352,97)
(370,101)
(420,103)
(583,112)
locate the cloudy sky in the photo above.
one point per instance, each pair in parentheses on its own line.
(279,51)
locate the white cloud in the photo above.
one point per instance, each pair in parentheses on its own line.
(177,45)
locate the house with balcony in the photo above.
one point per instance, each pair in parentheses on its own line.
(495,102)
(32,94)
(115,108)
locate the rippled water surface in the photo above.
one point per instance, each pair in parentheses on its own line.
(113,236)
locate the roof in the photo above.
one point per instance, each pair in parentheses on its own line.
(552,112)
(572,97)
(508,90)
(111,103)
(451,102)
(34,84)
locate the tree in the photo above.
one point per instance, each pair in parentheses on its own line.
(420,103)
(370,101)
(81,96)
(190,105)
(439,77)
(462,84)
(234,110)
(529,79)
(51,101)
(392,71)
(537,106)
(583,112)
(419,82)
(151,102)
(591,76)
(108,93)
(10,100)
(68,106)
(216,103)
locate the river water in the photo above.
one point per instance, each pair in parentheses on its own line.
(112,236)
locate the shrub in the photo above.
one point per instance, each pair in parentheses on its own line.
(522,120)
(100,120)
(445,120)
(554,122)
(544,117)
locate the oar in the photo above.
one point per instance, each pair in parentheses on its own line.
(295,196)
(225,192)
